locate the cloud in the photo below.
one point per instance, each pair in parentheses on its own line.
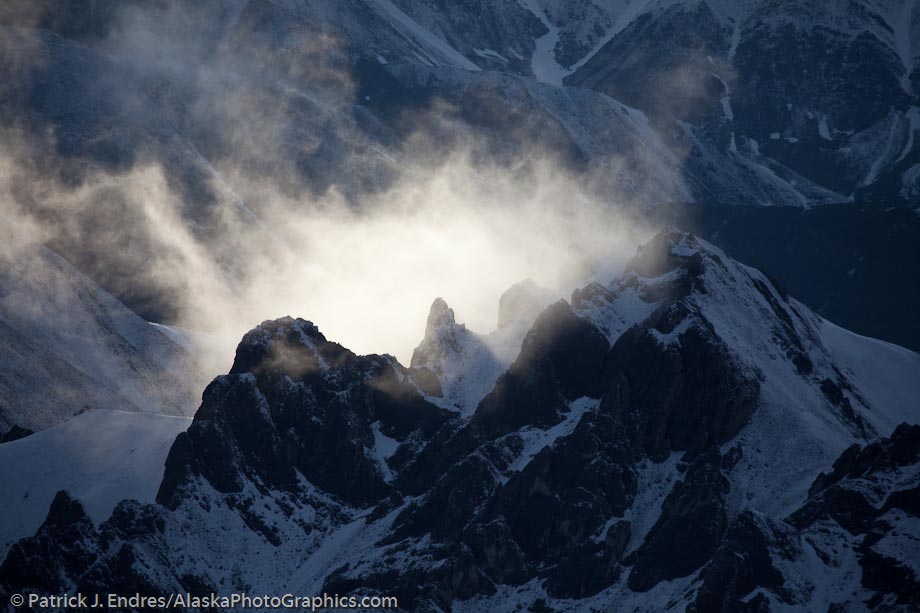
(225,215)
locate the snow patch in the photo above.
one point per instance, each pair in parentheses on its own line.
(384,448)
(421,34)
(543,62)
(823,130)
(536,440)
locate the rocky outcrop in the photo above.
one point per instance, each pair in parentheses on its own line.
(689,529)
(15,433)
(296,404)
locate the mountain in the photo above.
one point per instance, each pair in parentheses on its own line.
(833,259)
(69,346)
(764,101)
(687,436)
(100,457)
(455,367)
(231,106)
(829,118)
(821,96)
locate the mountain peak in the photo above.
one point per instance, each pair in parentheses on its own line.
(441,336)
(667,251)
(286,343)
(440,317)
(522,302)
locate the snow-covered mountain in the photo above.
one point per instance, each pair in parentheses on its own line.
(819,97)
(687,436)
(101,457)
(68,346)
(455,367)
(769,101)
(759,102)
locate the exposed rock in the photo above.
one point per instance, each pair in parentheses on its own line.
(689,529)
(15,433)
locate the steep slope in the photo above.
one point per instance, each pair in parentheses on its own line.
(657,442)
(69,346)
(817,100)
(101,457)
(834,259)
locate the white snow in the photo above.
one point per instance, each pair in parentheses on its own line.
(543,62)
(903,541)
(628,14)
(736,40)
(489,53)
(536,440)
(901,26)
(823,130)
(468,364)
(655,481)
(726,98)
(616,317)
(887,375)
(425,36)
(175,335)
(100,457)
(68,344)
(913,124)
(467,371)
(384,448)
(885,153)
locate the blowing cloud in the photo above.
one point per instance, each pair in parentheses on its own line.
(234,177)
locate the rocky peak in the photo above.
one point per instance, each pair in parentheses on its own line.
(293,346)
(665,252)
(522,302)
(295,404)
(454,366)
(441,336)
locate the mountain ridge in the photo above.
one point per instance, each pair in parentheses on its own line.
(648,432)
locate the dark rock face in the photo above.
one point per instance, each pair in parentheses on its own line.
(68,551)
(755,550)
(637,81)
(793,88)
(294,402)
(872,494)
(15,433)
(67,534)
(561,360)
(743,562)
(836,495)
(556,518)
(706,400)
(689,529)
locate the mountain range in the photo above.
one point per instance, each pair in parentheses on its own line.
(687,436)
(690,433)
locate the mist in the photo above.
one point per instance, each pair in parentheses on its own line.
(238,234)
